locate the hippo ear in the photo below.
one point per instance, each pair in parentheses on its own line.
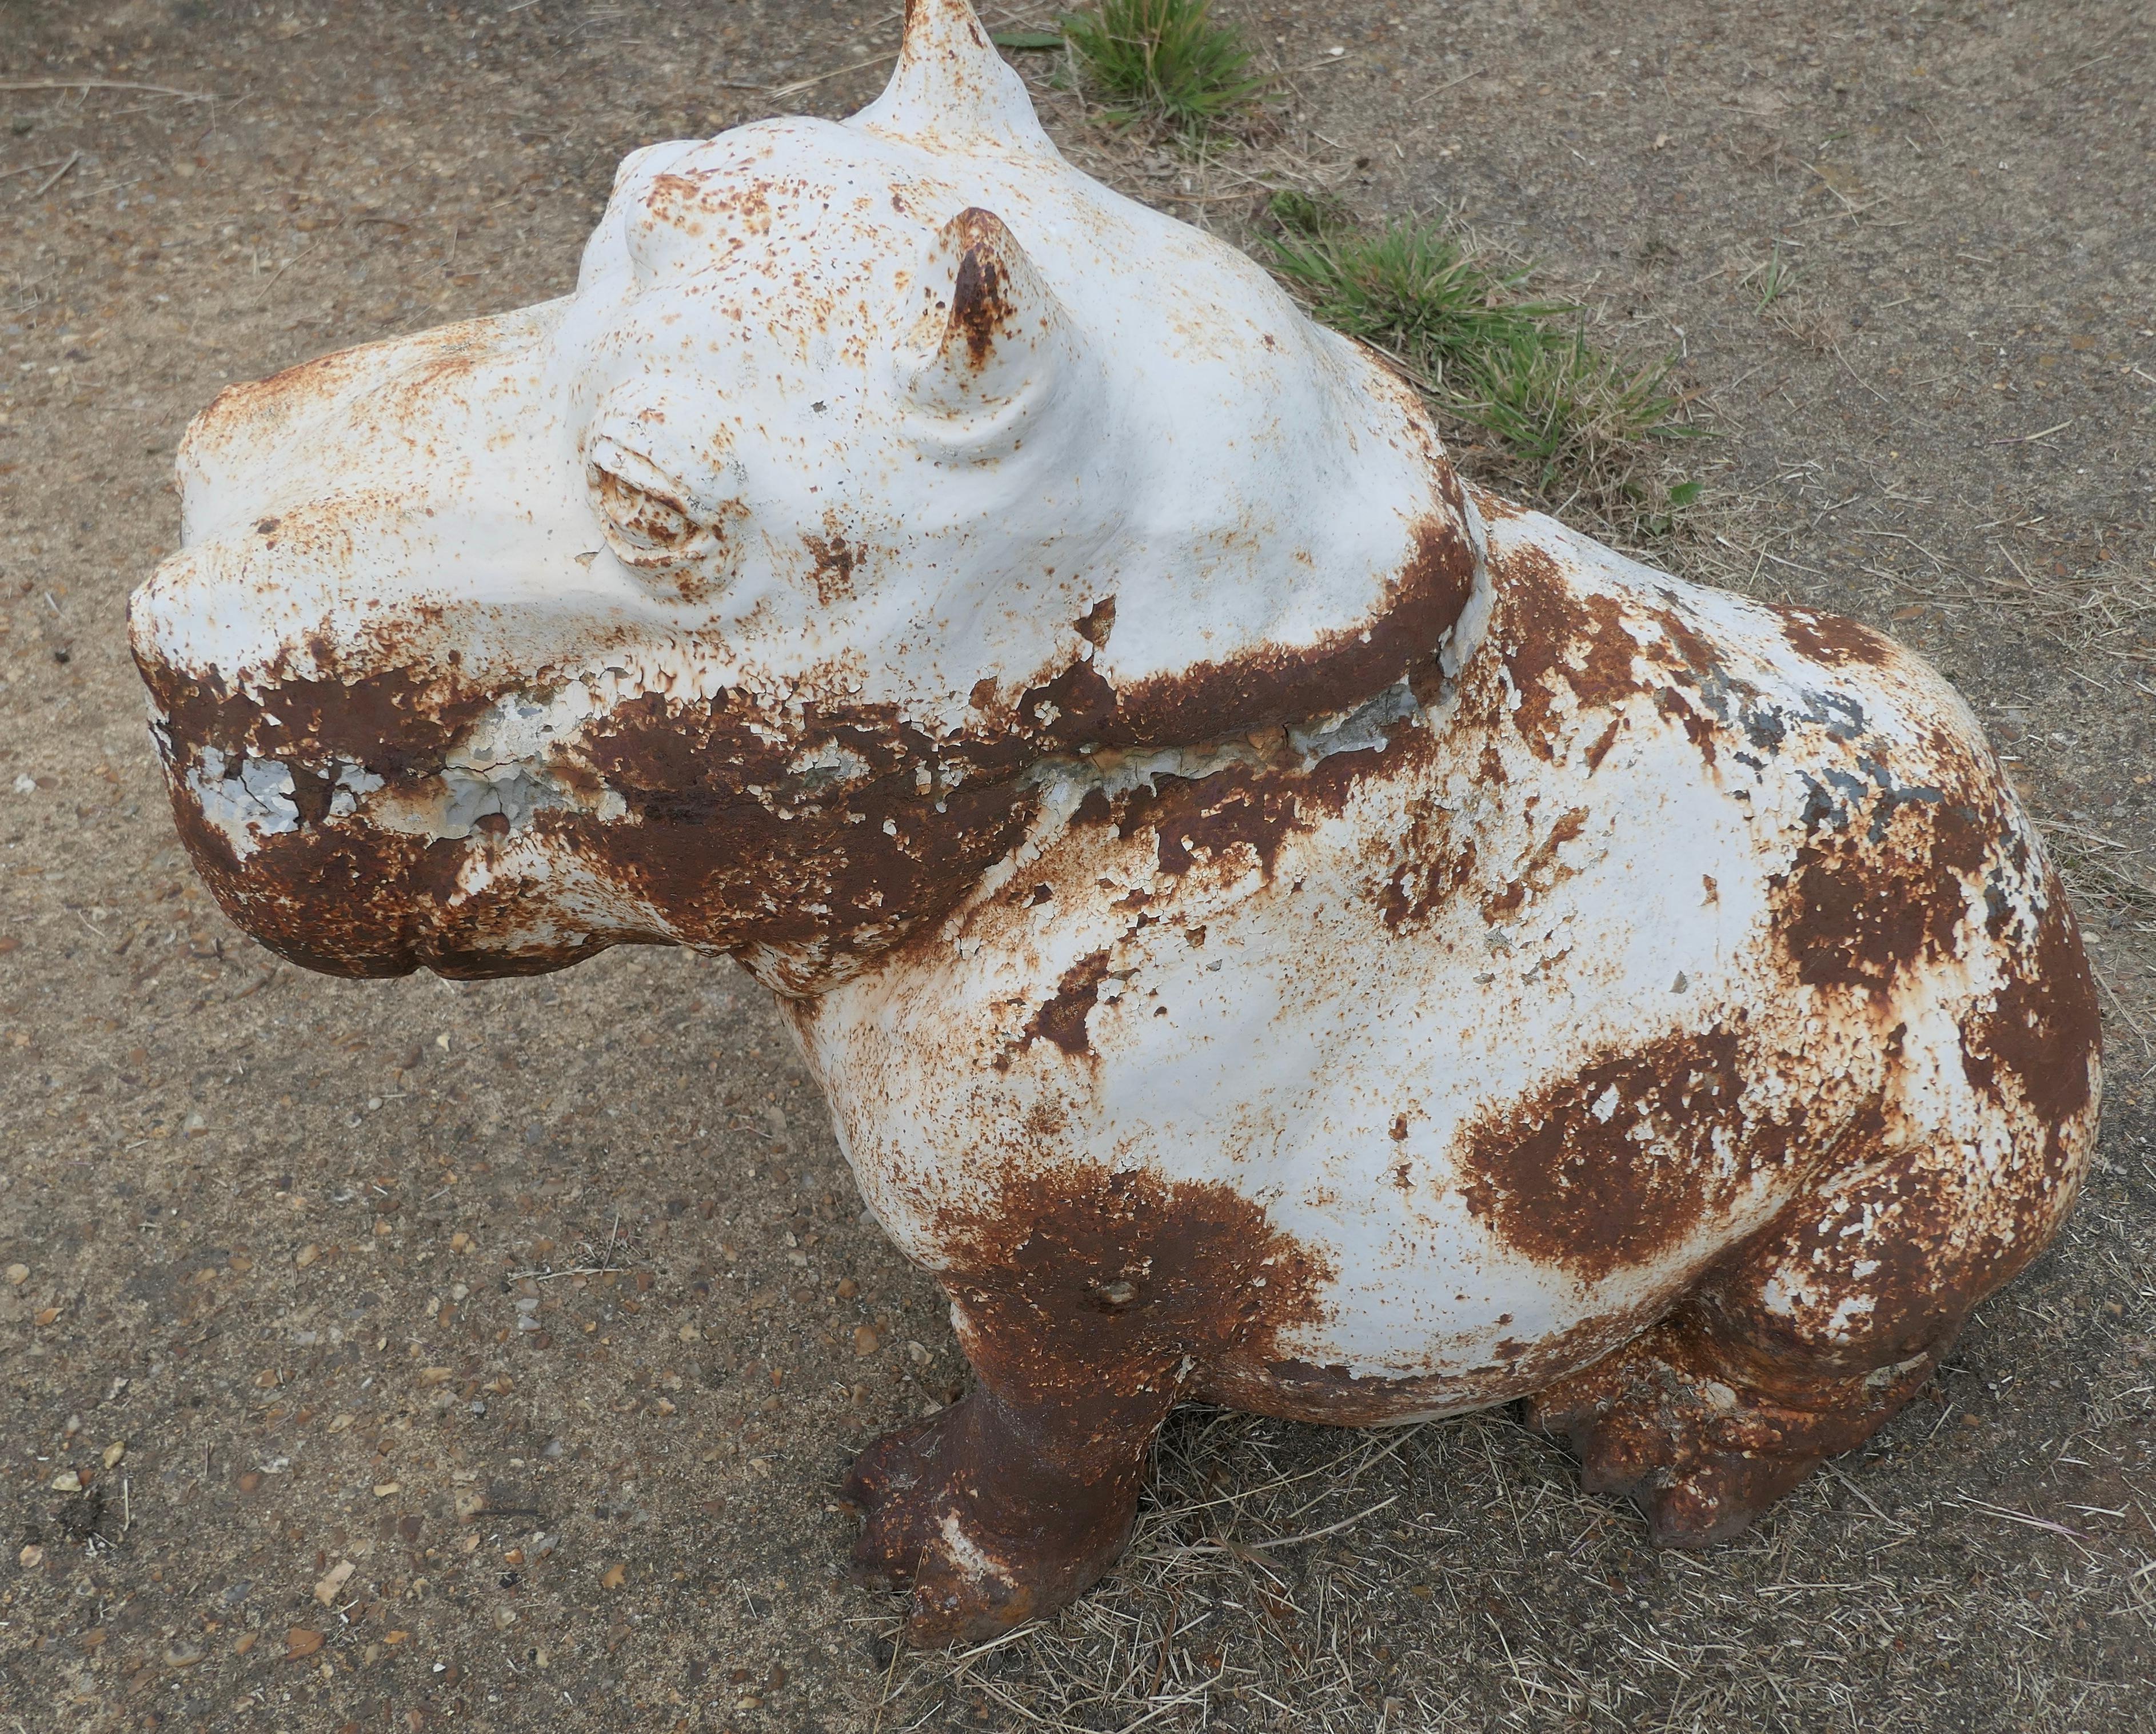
(953,90)
(991,348)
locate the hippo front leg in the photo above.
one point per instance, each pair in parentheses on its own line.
(1007,1505)
(1088,1300)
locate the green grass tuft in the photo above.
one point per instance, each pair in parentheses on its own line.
(1776,279)
(1567,408)
(1309,215)
(1414,290)
(1564,416)
(1166,59)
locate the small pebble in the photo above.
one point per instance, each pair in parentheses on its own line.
(332,1583)
(18,1275)
(183,1653)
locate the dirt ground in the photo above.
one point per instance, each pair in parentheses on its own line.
(290,1303)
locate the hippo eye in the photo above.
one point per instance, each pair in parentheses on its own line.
(646,524)
(675,535)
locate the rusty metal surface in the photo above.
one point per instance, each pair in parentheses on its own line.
(1271,927)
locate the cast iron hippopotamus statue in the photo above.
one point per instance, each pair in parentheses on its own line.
(1276,926)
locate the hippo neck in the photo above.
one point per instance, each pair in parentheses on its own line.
(1077,743)
(1425,619)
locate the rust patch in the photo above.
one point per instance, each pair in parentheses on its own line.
(744,838)
(1694,655)
(1435,864)
(1210,819)
(1496,508)
(1061,1019)
(980,298)
(1699,730)
(1098,622)
(1834,640)
(1886,890)
(1272,685)
(2042,1032)
(1599,749)
(1330,1396)
(1090,1286)
(1550,637)
(1620,1162)
(1334,1396)
(1540,871)
(833,574)
(361,902)
(399,722)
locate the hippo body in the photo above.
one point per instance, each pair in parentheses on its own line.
(1274,926)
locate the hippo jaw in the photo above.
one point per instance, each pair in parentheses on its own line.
(733,600)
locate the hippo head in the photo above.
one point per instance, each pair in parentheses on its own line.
(738,598)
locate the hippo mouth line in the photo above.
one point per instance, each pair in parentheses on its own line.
(250,799)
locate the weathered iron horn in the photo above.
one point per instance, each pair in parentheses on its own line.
(993,344)
(952,90)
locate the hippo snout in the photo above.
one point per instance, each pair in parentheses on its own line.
(339,659)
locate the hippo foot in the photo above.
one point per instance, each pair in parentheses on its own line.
(987,1529)
(1701,1450)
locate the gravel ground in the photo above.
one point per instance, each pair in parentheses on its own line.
(398,1353)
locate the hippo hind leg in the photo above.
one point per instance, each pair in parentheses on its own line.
(1816,1332)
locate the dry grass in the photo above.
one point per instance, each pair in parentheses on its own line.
(1452,1576)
